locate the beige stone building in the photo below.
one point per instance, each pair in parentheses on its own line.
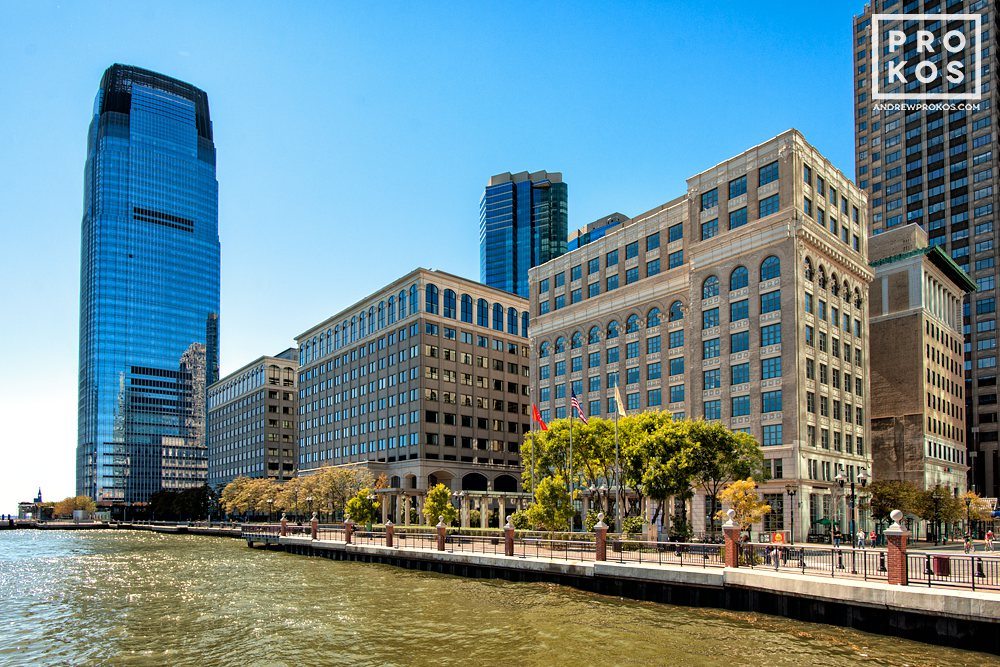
(743,300)
(918,390)
(426,380)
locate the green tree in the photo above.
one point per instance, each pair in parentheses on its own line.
(362,508)
(437,504)
(552,509)
(657,458)
(887,495)
(742,497)
(548,452)
(719,456)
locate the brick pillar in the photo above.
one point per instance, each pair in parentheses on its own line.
(348,528)
(314,526)
(896,538)
(284,525)
(390,531)
(731,531)
(442,532)
(600,538)
(508,538)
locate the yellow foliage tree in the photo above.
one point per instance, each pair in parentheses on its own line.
(741,496)
(65,507)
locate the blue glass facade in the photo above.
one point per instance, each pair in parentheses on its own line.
(149,288)
(522,223)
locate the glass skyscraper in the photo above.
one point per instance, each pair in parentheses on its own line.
(149,288)
(523,221)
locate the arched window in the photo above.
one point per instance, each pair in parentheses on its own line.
(498,317)
(431,299)
(834,285)
(392,309)
(808,269)
(676,314)
(822,278)
(632,324)
(381,314)
(739,278)
(512,321)
(467,308)
(612,329)
(594,336)
(576,340)
(402,304)
(336,337)
(847,292)
(710,287)
(560,345)
(857,298)
(414,301)
(524,324)
(371,320)
(543,350)
(450,304)
(653,317)
(770,268)
(361,325)
(483,313)
(354,329)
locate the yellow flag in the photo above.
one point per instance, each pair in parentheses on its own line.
(619,402)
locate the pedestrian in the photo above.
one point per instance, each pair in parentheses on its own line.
(989,540)
(861,539)
(836,537)
(968,545)
(871,538)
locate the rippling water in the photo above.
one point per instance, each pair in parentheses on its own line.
(135,598)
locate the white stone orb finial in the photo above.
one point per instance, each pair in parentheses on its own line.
(896,527)
(284,517)
(441,523)
(600,521)
(347,518)
(314,517)
(731,513)
(389,524)
(510,523)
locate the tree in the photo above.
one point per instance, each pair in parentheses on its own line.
(65,507)
(362,508)
(656,456)
(938,506)
(888,495)
(548,451)
(719,456)
(741,496)
(233,498)
(979,509)
(438,503)
(552,509)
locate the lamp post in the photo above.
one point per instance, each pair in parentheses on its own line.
(936,500)
(790,490)
(309,499)
(968,516)
(270,508)
(371,508)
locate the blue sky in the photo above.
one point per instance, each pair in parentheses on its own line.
(354,141)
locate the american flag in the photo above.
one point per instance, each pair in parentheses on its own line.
(575,402)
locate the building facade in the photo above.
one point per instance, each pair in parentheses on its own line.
(938,169)
(149,288)
(426,381)
(917,386)
(595,230)
(523,221)
(253,421)
(732,303)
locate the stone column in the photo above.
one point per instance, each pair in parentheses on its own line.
(896,537)
(284,525)
(389,533)
(600,538)
(508,538)
(484,511)
(314,526)
(399,507)
(463,499)
(406,510)
(442,532)
(348,528)
(420,510)
(384,499)
(731,531)
(586,504)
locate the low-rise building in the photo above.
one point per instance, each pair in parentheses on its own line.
(253,421)
(917,375)
(743,300)
(426,381)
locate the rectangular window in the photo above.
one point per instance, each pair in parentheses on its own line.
(676,339)
(676,366)
(593,360)
(576,272)
(770,334)
(738,218)
(612,283)
(767,174)
(770,302)
(652,345)
(654,371)
(739,342)
(632,250)
(738,186)
(740,373)
(632,350)
(632,375)
(709,229)
(612,355)
(771,401)
(770,368)
(612,258)
(653,398)
(739,310)
(712,379)
(741,406)
(768,205)
(593,289)
(675,259)
(653,241)
(652,267)
(631,275)
(713,409)
(676,393)
(675,233)
(710,318)
(710,348)
(772,435)
(710,199)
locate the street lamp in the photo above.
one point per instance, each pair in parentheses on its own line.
(270,508)
(309,499)
(936,499)
(968,516)
(863,479)
(371,501)
(790,490)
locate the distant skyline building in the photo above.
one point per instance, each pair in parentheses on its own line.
(523,222)
(939,169)
(253,421)
(149,288)
(595,230)
(917,388)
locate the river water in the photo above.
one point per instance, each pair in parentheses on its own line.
(136,598)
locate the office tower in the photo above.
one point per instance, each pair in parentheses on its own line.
(595,230)
(253,421)
(425,381)
(938,169)
(917,405)
(149,288)
(523,221)
(732,303)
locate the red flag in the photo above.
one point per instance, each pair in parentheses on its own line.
(538,417)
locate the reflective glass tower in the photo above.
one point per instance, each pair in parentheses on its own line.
(149,288)
(522,223)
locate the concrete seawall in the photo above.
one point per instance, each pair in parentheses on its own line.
(952,617)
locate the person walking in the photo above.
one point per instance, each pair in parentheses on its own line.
(871,538)
(989,540)
(836,537)
(861,539)
(968,545)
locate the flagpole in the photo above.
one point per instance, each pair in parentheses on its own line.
(570,468)
(618,480)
